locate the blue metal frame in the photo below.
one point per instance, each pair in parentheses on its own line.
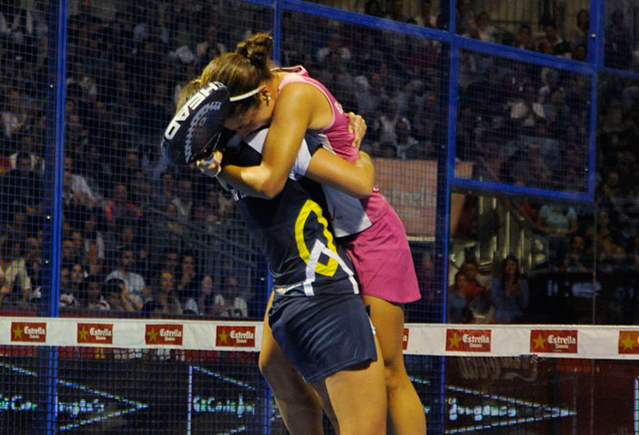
(48,371)
(447,182)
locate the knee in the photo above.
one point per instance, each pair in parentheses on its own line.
(395,376)
(266,365)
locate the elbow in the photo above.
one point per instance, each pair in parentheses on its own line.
(270,189)
(365,190)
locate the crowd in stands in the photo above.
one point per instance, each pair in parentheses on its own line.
(137,235)
(135,230)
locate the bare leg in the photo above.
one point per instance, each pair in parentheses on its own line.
(405,410)
(298,403)
(357,398)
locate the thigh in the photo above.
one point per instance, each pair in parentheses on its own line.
(357,398)
(388,320)
(274,365)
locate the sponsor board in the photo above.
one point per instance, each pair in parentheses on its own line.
(167,334)
(468,340)
(235,336)
(553,341)
(29,332)
(95,333)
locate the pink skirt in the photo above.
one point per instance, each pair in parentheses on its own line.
(382,260)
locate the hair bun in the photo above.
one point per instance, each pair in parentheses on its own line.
(257,49)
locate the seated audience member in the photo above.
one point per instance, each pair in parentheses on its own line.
(205,300)
(116,296)
(186,279)
(95,298)
(477,295)
(578,35)
(524,39)
(487,32)
(134,283)
(576,260)
(457,298)
(510,292)
(77,282)
(558,223)
(618,42)
(425,17)
(164,293)
(231,301)
(15,284)
(67,296)
(121,208)
(552,39)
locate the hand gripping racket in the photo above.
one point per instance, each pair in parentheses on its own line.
(196,129)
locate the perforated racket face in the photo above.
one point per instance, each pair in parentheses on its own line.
(194,130)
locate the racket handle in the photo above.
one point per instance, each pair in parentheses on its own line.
(210,160)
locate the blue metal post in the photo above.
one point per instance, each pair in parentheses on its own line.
(50,293)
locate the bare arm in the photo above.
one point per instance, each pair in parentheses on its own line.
(299,107)
(356,179)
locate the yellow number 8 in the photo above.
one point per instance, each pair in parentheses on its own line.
(309,207)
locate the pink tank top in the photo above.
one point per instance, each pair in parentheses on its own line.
(339,138)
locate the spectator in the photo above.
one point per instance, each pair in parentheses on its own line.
(21,185)
(67,297)
(116,295)
(77,285)
(183,201)
(373,8)
(558,223)
(457,299)
(463,14)
(578,35)
(205,300)
(166,193)
(69,254)
(120,208)
(580,53)
(487,32)
(397,11)
(407,147)
(95,299)
(618,42)
(164,293)
(231,301)
(371,94)
(471,271)
(333,45)
(93,239)
(187,282)
(557,46)
(576,260)
(210,48)
(15,283)
(425,17)
(527,112)
(134,283)
(524,39)
(510,292)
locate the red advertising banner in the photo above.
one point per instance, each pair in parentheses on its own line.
(29,332)
(411,188)
(235,336)
(164,334)
(628,342)
(95,333)
(468,340)
(553,341)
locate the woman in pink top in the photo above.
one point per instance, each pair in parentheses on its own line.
(292,103)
